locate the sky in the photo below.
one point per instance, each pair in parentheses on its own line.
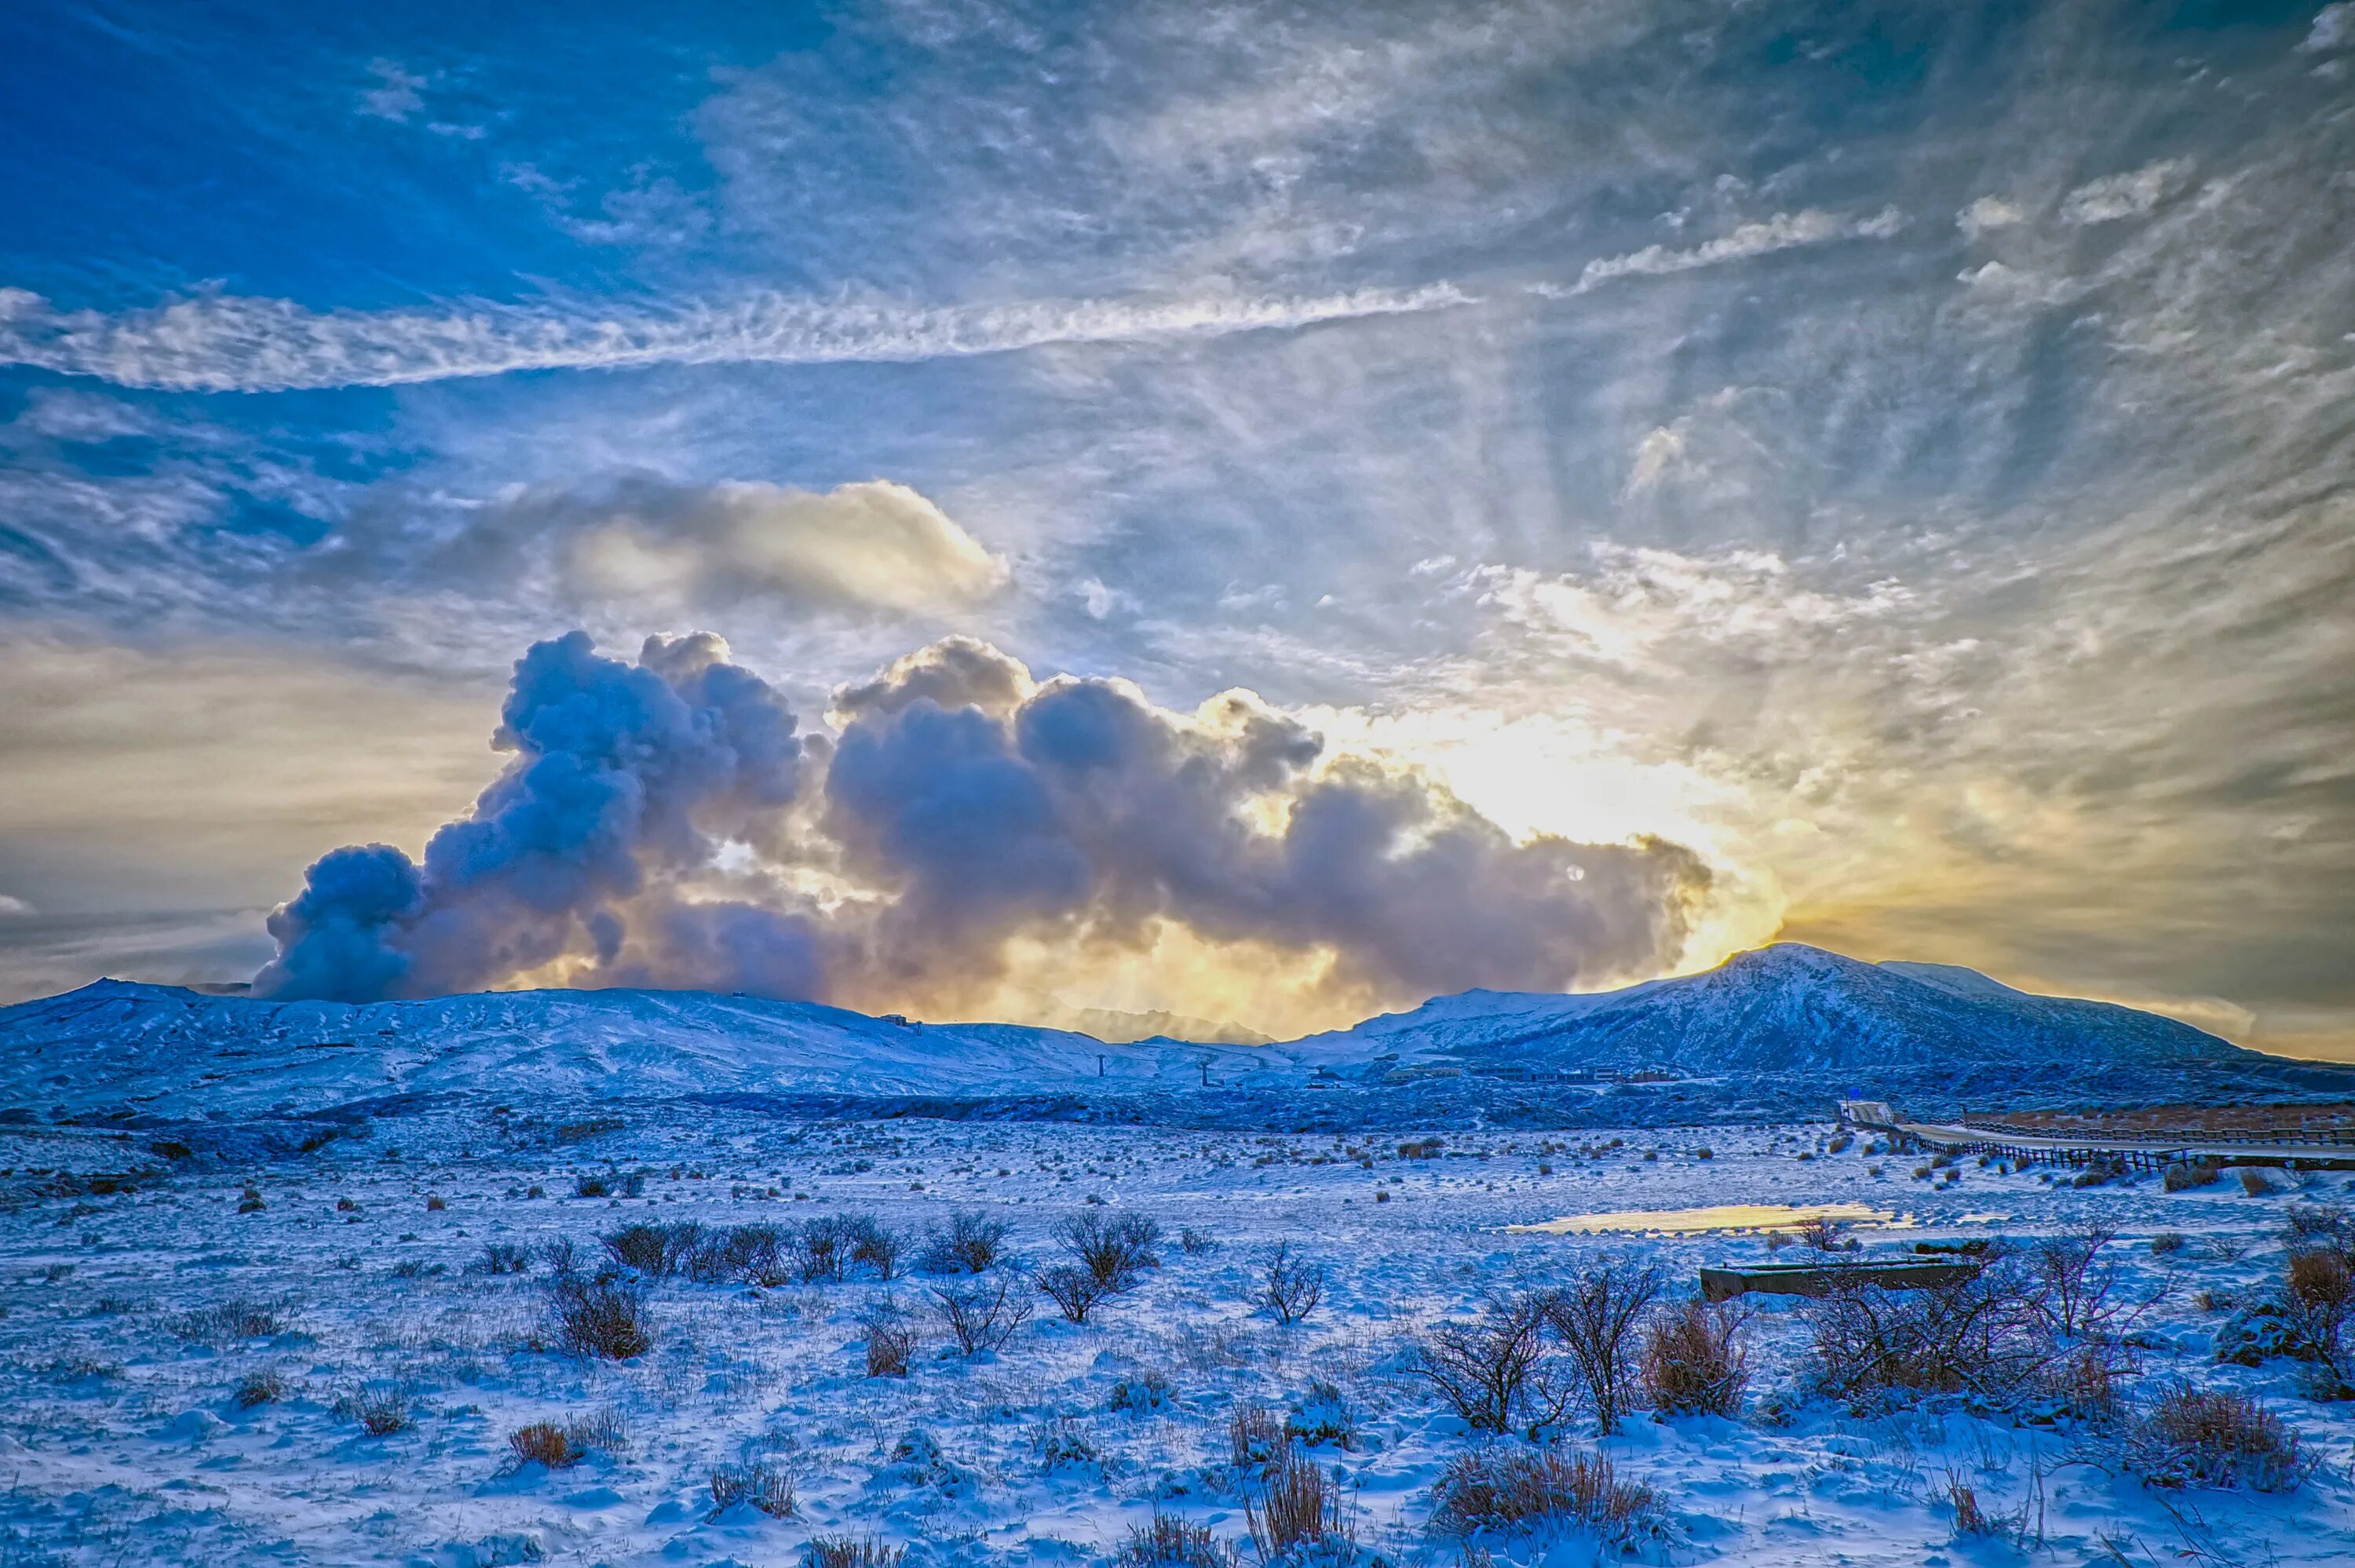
(1264,513)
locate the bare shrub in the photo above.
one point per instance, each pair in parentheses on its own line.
(1196,1243)
(2076,1288)
(2166,1242)
(1982,1335)
(1497,1373)
(890,1343)
(603,1319)
(1290,1285)
(1823,1236)
(562,1255)
(1595,1316)
(2184,1175)
(821,1251)
(655,1251)
(1298,1505)
(981,1316)
(972,1244)
(259,1388)
(2318,1224)
(874,1247)
(1115,1248)
(2194,1437)
(1693,1361)
(503,1257)
(850,1552)
(590,1187)
(757,1483)
(1170,1541)
(1505,1490)
(1075,1290)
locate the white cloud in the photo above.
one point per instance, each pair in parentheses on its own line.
(1988,212)
(1784,231)
(395,97)
(225,342)
(2130,194)
(13,905)
(876,542)
(1101,600)
(2334,29)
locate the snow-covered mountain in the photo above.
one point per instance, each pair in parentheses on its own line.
(1792,1008)
(1796,1020)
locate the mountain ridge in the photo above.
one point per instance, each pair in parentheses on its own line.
(1788,1022)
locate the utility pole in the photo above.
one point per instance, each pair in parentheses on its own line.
(1099,1065)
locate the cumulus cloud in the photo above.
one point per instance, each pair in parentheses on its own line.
(227,342)
(626,777)
(1784,231)
(966,816)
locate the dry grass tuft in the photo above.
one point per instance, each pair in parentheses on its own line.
(850,1552)
(1506,1490)
(756,1483)
(2195,1436)
(1693,1362)
(1172,1543)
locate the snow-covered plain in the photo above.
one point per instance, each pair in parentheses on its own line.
(123,1442)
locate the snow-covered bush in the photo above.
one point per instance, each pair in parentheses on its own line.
(1503,1491)
(2184,1175)
(1498,1374)
(1693,1360)
(1140,1393)
(1323,1415)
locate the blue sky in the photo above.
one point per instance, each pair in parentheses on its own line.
(1896,455)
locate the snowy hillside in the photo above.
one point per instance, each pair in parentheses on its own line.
(1792,1008)
(1785,1022)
